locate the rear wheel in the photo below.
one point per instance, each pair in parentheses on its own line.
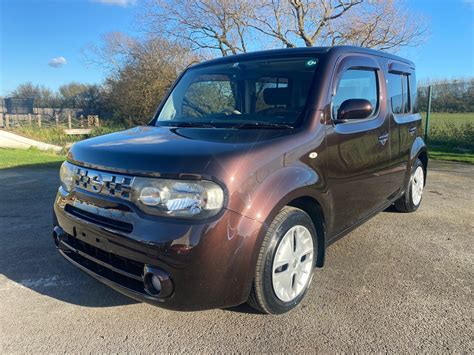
(285,263)
(411,199)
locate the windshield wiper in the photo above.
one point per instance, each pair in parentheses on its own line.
(191,125)
(264,125)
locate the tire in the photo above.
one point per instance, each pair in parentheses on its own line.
(279,286)
(411,199)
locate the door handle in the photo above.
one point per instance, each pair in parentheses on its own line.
(383,138)
(412,130)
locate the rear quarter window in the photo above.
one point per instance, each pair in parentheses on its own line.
(401,93)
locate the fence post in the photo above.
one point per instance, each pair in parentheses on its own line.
(56,117)
(7,121)
(69,125)
(2,120)
(428,110)
(39,120)
(29,119)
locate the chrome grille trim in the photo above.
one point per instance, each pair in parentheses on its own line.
(100,182)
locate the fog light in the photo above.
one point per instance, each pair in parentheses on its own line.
(156,283)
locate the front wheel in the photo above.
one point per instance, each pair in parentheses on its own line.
(411,199)
(285,263)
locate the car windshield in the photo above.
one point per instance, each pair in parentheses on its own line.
(269,93)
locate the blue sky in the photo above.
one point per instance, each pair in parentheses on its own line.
(37,32)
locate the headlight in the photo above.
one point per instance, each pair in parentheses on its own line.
(178,198)
(66,174)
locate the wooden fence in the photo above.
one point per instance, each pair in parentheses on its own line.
(48,118)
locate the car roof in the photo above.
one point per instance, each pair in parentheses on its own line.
(335,50)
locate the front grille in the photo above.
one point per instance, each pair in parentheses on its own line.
(103,183)
(123,271)
(101,220)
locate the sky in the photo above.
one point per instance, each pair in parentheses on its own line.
(42,41)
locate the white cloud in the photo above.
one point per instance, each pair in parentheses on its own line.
(57,62)
(122,3)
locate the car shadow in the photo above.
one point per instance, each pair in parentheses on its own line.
(391,209)
(28,256)
(242,308)
(28,166)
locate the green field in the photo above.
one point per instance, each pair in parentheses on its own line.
(31,158)
(452,131)
(457,119)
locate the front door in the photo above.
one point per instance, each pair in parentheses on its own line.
(358,167)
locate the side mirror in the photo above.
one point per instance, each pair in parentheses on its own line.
(354,109)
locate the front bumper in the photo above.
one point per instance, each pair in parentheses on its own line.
(209,264)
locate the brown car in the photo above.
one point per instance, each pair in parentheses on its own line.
(252,166)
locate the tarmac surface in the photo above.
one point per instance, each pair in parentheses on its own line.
(398,283)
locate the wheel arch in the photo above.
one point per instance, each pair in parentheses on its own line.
(419,150)
(307,200)
(296,186)
(313,208)
(423,156)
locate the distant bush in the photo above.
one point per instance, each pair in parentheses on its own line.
(57,136)
(448,95)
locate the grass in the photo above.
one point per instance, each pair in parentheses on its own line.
(450,156)
(10,158)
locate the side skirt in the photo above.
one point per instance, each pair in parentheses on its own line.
(372,214)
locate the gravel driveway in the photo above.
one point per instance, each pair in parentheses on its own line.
(399,283)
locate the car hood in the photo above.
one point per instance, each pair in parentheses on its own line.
(164,151)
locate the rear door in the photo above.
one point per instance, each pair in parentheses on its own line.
(405,119)
(358,150)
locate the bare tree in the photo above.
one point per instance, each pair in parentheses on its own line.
(139,72)
(204,24)
(295,21)
(43,96)
(111,52)
(381,25)
(233,26)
